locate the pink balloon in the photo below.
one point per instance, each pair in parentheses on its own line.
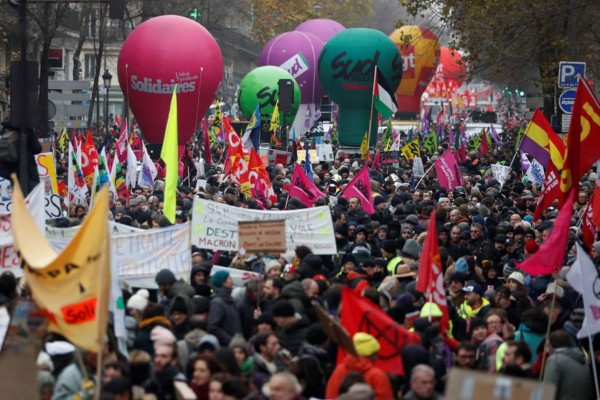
(322,28)
(160,53)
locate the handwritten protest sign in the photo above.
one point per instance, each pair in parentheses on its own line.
(314,157)
(262,236)
(215,226)
(389,157)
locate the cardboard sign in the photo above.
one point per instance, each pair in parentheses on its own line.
(471,385)
(325,152)
(279,157)
(262,236)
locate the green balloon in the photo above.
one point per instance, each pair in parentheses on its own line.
(262,85)
(346,71)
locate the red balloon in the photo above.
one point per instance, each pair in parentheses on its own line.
(452,68)
(160,53)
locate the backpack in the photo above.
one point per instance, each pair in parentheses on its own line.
(9,146)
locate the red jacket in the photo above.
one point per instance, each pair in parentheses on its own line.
(373,376)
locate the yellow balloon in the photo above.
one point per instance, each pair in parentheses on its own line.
(420,50)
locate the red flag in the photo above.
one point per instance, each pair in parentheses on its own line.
(588,226)
(583,145)
(360,315)
(258,173)
(462,153)
(484,148)
(549,192)
(360,187)
(551,255)
(430,281)
(376,164)
(122,143)
(303,188)
(206,143)
(89,148)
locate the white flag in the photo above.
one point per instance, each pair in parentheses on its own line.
(148,171)
(535,172)
(131,176)
(583,277)
(396,145)
(500,173)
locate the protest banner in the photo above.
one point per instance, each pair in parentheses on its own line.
(418,169)
(140,254)
(279,157)
(448,171)
(53,233)
(500,173)
(215,226)
(262,236)
(239,276)
(325,152)
(389,157)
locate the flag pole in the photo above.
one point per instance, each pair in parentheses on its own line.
(371,116)
(425,174)
(591,342)
(548,331)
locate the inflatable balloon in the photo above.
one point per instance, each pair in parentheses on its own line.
(346,69)
(160,53)
(322,28)
(298,54)
(449,76)
(261,86)
(420,51)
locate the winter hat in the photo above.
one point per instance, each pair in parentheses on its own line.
(208,342)
(238,341)
(162,336)
(461,266)
(378,200)
(178,305)
(476,323)
(219,278)
(389,246)
(269,265)
(165,277)
(316,335)
(411,249)
(531,246)
(139,300)
(366,345)
(553,288)
(283,309)
(517,277)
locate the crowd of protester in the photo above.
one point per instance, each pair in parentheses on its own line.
(264,340)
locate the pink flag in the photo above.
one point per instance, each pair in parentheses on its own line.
(122,143)
(376,164)
(551,255)
(303,188)
(448,171)
(360,187)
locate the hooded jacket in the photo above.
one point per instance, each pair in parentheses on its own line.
(223,316)
(294,292)
(566,368)
(310,266)
(374,377)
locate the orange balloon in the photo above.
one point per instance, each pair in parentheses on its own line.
(420,50)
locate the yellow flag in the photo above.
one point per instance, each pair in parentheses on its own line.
(72,286)
(62,139)
(364,146)
(170,157)
(275,118)
(411,149)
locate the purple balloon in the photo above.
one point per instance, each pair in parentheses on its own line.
(298,53)
(323,28)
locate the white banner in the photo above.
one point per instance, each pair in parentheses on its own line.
(67,233)
(215,226)
(139,256)
(500,173)
(535,172)
(418,169)
(9,261)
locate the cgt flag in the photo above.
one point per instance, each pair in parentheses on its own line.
(360,187)
(303,188)
(72,286)
(359,315)
(448,171)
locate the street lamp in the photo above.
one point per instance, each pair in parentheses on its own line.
(107,77)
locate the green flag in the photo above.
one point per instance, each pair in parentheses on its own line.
(387,137)
(430,143)
(519,137)
(475,143)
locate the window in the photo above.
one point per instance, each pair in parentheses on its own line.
(89,66)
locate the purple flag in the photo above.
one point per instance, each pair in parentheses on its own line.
(448,171)
(494,134)
(307,123)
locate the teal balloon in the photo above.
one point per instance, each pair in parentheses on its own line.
(346,71)
(261,85)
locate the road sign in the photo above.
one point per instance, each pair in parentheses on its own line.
(70,123)
(566,100)
(565,122)
(569,72)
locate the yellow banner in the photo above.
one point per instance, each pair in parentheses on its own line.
(411,150)
(72,286)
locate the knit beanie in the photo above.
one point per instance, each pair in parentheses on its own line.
(269,265)
(139,300)
(162,336)
(461,266)
(165,277)
(283,308)
(366,345)
(219,278)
